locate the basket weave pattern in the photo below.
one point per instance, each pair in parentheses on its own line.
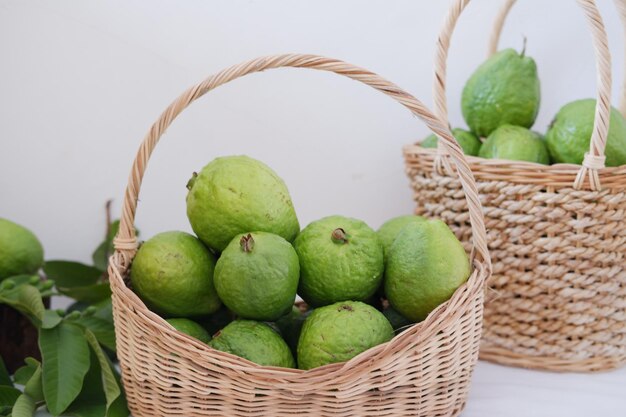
(557,296)
(424,371)
(557,234)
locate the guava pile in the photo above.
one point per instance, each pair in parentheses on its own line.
(500,102)
(234,283)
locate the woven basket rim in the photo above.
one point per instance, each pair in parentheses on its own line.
(523,172)
(436,320)
(504,356)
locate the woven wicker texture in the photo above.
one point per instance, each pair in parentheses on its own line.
(425,371)
(557,296)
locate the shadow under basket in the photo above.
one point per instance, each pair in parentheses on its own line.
(425,371)
(557,297)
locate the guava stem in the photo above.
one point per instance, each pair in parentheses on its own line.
(192,180)
(524,47)
(339,236)
(247,243)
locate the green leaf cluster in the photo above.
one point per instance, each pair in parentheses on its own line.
(76,376)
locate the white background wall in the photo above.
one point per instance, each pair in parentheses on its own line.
(81,82)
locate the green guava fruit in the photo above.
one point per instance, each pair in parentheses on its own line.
(425,266)
(515,143)
(503,90)
(173,274)
(254,341)
(340,259)
(468,141)
(238,194)
(339,332)
(397,320)
(390,229)
(191,328)
(257,276)
(569,134)
(290,326)
(20,250)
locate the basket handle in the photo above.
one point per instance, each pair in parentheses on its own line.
(126,241)
(498,23)
(594,159)
(621,9)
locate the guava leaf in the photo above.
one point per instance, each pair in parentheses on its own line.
(105,249)
(78,281)
(26,299)
(67,274)
(102,329)
(65,362)
(90,294)
(8,396)
(25,373)
(115,399)
(34,387)
(5,378)
(87,410)
(50,319)
(91,400)
(105,310)
(22,279)
(100,257)
(24,407)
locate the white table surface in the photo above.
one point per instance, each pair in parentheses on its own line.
(499,391)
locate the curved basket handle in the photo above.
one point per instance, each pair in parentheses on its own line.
(126,240)
(498,24)
(621,9)
(594,159)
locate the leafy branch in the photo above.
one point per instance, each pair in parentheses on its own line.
(76,376)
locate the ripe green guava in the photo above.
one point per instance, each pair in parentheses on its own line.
(340,259)
(503,90)
(254,341)
(20,250)
(173,274)
(238,194)
(339,332)
(425,266)
(515,143)
(569,135)
(468,141)
(390,229)
(191,328)
(257,276)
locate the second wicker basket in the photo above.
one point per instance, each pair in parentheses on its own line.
(556,233)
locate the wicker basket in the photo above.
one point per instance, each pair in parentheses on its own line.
(558,241)
(425,371)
